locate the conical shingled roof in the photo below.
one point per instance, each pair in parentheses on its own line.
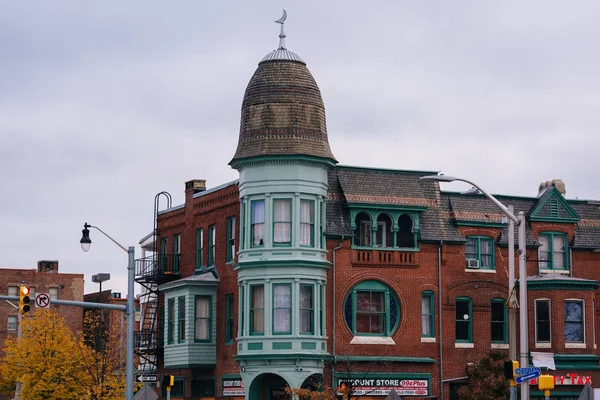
(282,112)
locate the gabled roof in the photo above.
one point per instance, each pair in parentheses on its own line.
(552,207)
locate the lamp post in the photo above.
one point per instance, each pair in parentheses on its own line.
(85,245)
(523,328)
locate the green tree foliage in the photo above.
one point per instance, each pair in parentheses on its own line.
(486,379)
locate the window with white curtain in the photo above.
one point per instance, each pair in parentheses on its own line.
(282,309)
(307,223)
(306,309)
(257,222)
(282,222)
(202,320)
(257,310)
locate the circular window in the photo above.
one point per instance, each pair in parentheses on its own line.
(372,308)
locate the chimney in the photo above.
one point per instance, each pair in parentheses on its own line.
(47,266)
(557,183)
(194,186)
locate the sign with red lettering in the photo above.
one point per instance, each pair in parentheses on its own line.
(568,380)
(233,387)
(383,387)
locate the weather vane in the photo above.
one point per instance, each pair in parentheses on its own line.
(282,34)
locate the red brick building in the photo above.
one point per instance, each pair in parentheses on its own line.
(307,271)
(44,279)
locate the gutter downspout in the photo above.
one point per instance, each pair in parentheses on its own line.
(333,314)
(440,319)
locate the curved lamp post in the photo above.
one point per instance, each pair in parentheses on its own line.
(523,328)
(85,245)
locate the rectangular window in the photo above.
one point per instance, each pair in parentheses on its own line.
(383,235)
(307,309)
(202,387)
(13,290)
(176,252)
(307,223)
(463,320)
(574,330)
(243,227)
(321,309)
(53,293)
(499,317)
(181,318)
(257,310)
(552,253)
(427,314)
(282,222)
(211,246)
(257,222)
(163,255)
(199,248)
(178,389)
(242,311)
(229,318)
(364,233)
(230,238)
(370,313)
(12,323)
(170,320)
(542,321)
(282,309)
(482,250)
(202,319)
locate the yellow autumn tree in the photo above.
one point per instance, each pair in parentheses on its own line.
(103,358)
(46,360)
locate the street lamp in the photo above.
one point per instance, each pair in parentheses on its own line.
(523,329)
(85,245)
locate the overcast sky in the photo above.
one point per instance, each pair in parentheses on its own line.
(104,104)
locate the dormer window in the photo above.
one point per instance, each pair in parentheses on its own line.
(552,253)
(392,229)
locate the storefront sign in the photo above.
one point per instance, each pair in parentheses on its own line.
(568,379)
(382,387)
(233,387)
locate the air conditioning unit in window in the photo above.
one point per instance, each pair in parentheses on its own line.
(472,263)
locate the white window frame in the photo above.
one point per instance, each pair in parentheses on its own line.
(582,344)
(53,296)
(542,345)
(16,290)
(8,323)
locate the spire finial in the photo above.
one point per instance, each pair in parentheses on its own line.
(282,34)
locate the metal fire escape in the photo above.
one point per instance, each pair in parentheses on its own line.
(150,272)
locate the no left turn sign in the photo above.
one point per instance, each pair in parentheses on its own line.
(42,300)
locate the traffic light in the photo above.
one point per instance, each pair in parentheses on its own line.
(168,381)
(509,369)
(24,299)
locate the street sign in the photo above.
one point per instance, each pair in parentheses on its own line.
(147,378)
(527,371)
(528,377)
(42,300)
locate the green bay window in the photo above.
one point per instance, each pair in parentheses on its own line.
(202,319)
(230,239)
(257,310)
(307,223)
(229,318)
(170,320)
(552,253)
(499,318)
(463,319)
(181,318)
(307,309)
(257,223)
(427,316)
(211,246)
(282,222)
(199,248)
(282,309)
(480,249)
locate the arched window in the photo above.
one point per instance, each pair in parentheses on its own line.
(363,230)
(372,308)
(406,236)
(384,237)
